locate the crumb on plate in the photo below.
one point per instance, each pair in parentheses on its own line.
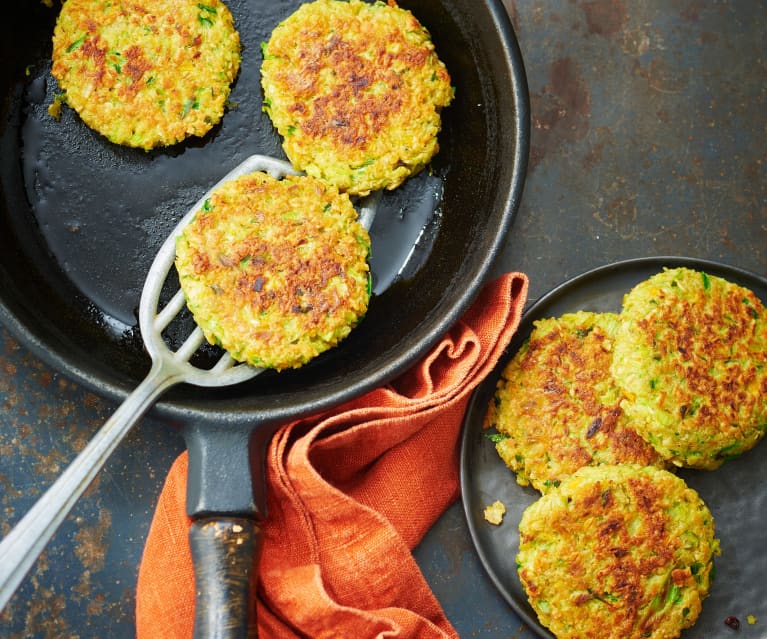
(494,512)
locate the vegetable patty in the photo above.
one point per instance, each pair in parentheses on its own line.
(617,552)
(356,90)
(691,356)
(275,271)
(556,406)
(146,73)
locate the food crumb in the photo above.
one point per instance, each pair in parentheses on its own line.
(494,512)
(54,109)
(751,620)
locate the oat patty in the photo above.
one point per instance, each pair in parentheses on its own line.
(617,552)
(556,406)
(275,271)
(691,355)
(356,90)
(146,73)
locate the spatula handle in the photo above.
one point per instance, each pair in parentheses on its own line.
(225,554)
(21,547)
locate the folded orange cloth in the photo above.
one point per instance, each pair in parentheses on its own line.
(350,494)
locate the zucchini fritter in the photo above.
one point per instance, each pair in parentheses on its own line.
(691,356)
(617,552)
(146,73)
(356,90)
(275,271)
(556,406)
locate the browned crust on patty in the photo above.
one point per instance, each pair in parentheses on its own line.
(691,357)
(275,271)
(145,73)
(618,552)
(355,89)
(558,406)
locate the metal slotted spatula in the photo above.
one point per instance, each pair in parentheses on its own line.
(21,547)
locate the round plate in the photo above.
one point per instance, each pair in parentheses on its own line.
(735,493)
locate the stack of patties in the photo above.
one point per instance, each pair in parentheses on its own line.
(592,411)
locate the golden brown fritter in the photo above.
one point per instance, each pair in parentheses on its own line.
(356,90)
(556,407)
(691,356)
(275,271)
(146,73)
(617,552)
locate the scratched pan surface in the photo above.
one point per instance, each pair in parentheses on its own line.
(81,218)
(735,493)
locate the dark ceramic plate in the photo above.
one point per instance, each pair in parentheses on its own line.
(736,493)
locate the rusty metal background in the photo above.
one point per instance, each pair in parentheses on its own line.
(649,138)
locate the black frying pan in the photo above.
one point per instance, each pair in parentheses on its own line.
(81,219)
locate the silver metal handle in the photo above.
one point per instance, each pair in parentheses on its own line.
(23,545)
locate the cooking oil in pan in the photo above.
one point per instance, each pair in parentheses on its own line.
(103,211)
(404,229)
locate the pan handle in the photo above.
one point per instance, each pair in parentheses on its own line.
(225,552)
(226,501)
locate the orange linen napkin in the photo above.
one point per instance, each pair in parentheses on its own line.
(350,494)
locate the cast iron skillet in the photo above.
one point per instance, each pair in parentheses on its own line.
(81,218)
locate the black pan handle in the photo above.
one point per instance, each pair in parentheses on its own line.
(226,500)
(225,553)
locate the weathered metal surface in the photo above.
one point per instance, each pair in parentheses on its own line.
(649,138)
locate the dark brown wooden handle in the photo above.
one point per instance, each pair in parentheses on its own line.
(225,553)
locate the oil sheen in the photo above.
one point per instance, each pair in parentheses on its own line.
(102,210)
